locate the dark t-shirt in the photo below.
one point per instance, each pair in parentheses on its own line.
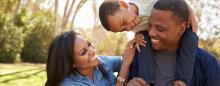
(165,68)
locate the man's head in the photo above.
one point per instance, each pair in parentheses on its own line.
(116,17)
(167,23)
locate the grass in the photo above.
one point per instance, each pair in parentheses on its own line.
(23,74)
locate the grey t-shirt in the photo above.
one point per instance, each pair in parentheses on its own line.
(165,68)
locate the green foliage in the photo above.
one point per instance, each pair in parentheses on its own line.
(37,41)
(25,38)
(113,44)
(11,41)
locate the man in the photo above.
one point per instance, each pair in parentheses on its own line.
(167,24)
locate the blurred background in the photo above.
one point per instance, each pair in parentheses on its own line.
(27,27)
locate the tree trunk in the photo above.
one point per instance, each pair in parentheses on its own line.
(56,18)
(95,15)
(81,3)
(65,20)
(0,5)
(16,11)
(65,9)
(7,8)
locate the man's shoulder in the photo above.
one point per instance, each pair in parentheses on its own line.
(206,66)
(205,59)
(204,55)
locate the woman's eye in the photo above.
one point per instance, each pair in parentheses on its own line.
(83,52)
(90,45)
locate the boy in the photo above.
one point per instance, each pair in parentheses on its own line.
(118,16)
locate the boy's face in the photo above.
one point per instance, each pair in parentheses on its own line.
(122,20)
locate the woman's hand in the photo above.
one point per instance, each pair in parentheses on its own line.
(129,53)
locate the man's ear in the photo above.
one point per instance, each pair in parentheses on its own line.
(183,27)
(123,4)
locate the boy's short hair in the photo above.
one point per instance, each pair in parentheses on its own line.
(178,8)
(107,8)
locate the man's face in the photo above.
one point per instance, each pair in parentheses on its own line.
(123,20)
(164,31)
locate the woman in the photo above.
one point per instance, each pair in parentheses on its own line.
(72,61)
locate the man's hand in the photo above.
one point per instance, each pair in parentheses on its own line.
(178,83)
(137,82)
(139,40)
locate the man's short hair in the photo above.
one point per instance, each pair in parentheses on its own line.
(107,8)
(178,8)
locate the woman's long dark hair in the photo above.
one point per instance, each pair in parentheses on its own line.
(60,62)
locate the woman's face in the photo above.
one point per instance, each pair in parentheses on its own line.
(84,54)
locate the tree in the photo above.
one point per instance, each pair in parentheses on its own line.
(78,7)
(16,11)
(69,12)
(56,29)
(207,13)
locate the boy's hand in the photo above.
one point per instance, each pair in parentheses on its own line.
(139,40)
(192,20)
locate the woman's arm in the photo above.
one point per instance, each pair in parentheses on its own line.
(128,56)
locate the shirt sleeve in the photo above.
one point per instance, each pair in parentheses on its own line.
(144,6)
(111,62)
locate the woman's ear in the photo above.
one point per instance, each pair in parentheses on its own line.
(123,4)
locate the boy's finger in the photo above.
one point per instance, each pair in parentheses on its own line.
(138,48)
(142,44)
(142,36)
(143,41)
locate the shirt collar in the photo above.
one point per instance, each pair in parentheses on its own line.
(78,77)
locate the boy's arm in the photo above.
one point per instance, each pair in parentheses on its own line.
(192,20)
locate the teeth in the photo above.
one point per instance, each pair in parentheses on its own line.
(154,40)
(93,59)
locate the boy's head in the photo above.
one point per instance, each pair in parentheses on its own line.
(116,17)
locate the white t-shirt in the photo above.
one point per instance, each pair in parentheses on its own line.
(144,11)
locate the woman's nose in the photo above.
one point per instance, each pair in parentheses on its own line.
(92,52)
